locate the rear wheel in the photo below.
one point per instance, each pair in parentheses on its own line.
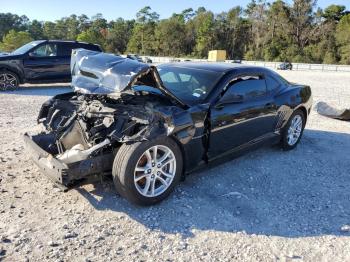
(8,80)
(294,130)
(146,172)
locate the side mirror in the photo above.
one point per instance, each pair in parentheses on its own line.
(31,54)
(229,98)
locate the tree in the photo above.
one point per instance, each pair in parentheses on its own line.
(257,17)
(91,36)
(343,39)
(14,39)
(143,38)
(334,12)
(10,21)
(49,30)
(119,35)
(170,35)
(35,29)
(204,26)
(301,21)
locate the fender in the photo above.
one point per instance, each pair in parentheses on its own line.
(15,69)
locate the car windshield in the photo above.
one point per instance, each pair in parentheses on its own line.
(25,48)
(190,85)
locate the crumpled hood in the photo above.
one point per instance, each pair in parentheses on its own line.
(101,73)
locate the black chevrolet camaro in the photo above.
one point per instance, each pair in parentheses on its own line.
(149,126)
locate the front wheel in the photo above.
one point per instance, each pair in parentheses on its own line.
(293,131)
(146,172)
(8,81)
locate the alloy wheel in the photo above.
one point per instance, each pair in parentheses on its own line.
(294,130)
(8,81)
(155,171)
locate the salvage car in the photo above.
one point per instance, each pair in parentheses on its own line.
(41,61)
(150,126)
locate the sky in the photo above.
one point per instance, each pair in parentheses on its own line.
(51,10)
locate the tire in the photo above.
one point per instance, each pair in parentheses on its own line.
(286,142)
(130,156)
(9,81)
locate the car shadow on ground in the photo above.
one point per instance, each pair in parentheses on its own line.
(299,193)
(40,90)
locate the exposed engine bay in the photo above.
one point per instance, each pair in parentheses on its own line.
(85,125)
(115,101)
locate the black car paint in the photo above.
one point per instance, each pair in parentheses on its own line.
(31,69)
(205,132)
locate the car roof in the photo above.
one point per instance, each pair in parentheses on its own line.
(68,41)
(214,67)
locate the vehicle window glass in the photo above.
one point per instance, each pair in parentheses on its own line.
(185,77)
(188,84)
(169,77)
(248,86)
(26,48)
(271,83)
(46,50)
(65,49)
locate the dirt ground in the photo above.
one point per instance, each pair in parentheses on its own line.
(268,205)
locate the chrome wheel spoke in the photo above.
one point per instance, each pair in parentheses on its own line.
(153,185)
(154,177)
(164,157)
(7,81)
(166,162)
(162,181)
(141,177)
(154,157)
(140,169)
(166,174)
(149,157)
(294,130)
(147,185)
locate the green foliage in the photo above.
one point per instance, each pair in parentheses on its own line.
(278,30)
(119,35)
(91,36)
(343,39)
(170,35)
(204,22)
(10,21)
(334,12)
(13,40)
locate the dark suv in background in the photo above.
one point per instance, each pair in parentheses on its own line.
(42,61)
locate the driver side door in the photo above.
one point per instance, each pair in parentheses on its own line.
(42,63)
(240,121)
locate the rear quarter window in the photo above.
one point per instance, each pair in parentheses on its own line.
(271,83)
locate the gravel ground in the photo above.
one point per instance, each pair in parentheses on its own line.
(268,205)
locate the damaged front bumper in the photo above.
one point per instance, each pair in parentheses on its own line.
(56,170)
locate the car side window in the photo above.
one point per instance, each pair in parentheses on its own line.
(65,49)
(271,83)
(45,50)
(249,87)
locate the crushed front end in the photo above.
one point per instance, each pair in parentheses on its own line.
(115,101)
(81,132)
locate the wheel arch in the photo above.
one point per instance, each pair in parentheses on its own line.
(13,71)
(304,110)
